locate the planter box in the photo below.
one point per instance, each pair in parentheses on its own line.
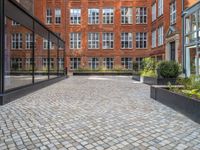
(136,77)
(158,81)
(188,106)
(101,73)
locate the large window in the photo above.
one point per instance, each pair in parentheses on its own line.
(45,44)
(153,12)
(127,63)
(108,16)
(160,7)
(141,15)
(160,36)
(29,41)
(153,39)
(17,41)
(48,16)
(93,16)
(126,15)
(126,40)
(139,62)
(93,40)
(75,40)
(173,13)
(108,63)
(75,63)
(108,40)
(16,64)
(57,15)
(141,40)
(75,16)
(93,63)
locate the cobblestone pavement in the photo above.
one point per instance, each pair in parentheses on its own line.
(95,113)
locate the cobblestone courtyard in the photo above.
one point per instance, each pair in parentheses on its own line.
(95,113)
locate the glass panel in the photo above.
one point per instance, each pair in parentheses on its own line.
(18,55)
(53,60)
(61,60)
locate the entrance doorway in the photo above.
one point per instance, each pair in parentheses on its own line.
(173,51)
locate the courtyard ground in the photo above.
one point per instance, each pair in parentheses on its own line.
(95,113)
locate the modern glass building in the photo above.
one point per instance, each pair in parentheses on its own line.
(192,40)
(31,56)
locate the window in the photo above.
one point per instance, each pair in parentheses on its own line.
(126,40)
(141,15)
(153,36)
(48,16)
(93,63)
(16,63)
(160,7)
(29,41)
(93,16)
(14,23)
(126,15)
(153,12)
(75,16)
(139,62)
(61,63)
(29,62)
(127,63)
(16,41)
(93,40)
(173,13)
(141,40)
(108,40)
(45,44)
(75,63)
(45,63)
(160,36)
(108,16)
(57,15)
(75,40)
(108,63)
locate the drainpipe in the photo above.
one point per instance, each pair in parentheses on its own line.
(183,38)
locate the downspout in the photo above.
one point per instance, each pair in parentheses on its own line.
(183,39)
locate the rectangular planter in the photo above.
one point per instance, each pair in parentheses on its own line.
(101,73)
(136,77)
(158,81)
(188,106)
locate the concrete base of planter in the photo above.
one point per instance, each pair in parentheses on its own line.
(157,81)
(188,106)
(136,77)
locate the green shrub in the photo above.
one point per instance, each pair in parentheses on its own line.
(149,67)
(169,69)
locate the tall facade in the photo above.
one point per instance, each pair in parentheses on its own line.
(114,33)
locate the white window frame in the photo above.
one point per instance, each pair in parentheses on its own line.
(127,63)
(93,16)
(74,60)
(141,39)
(93,63)
(75,16)
(160,35)
(153,38)
(108,62)
(17,41)
(45,44)
(58,15)
(154,15)
(29,40)
(141,15)
(17,61)
(126,39)
(126,15)
(75,40)
(108,15)
(49,16)
(173,13)
(93,40)
(108,40)
(160,7)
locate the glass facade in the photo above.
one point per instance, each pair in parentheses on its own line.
(25,58)
(192,41)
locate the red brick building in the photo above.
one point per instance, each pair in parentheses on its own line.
(114,33)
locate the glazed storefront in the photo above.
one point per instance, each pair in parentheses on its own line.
(192,41)
(31,56)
